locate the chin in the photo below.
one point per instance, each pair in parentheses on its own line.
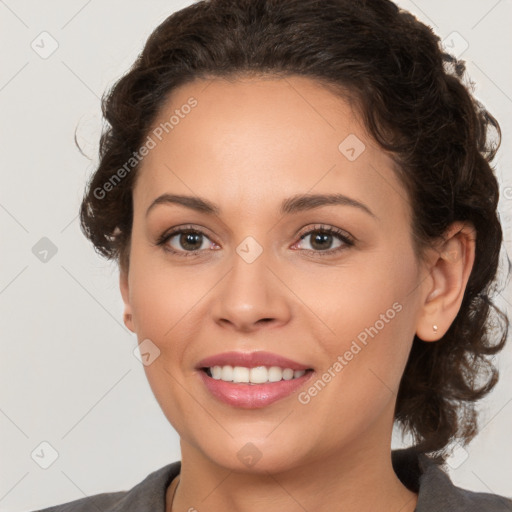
(255,455)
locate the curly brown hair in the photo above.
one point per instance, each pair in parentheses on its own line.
(413,100)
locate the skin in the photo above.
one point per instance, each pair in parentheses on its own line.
(246,146)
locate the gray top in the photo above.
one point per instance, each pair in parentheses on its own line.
(436,492)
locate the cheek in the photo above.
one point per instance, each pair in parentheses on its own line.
(366,299)
(363,367)
(370,313)
(161,293)
(163,304)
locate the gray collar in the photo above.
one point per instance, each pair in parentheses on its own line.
(436,492)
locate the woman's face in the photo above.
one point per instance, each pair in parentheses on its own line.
(262,274)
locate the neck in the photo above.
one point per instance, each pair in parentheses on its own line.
(353,480)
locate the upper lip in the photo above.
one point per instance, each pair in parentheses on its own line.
(250,360)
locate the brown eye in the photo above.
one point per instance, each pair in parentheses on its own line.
(322,239)
(189,240)
(185,242)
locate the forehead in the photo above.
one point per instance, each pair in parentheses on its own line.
(257,140)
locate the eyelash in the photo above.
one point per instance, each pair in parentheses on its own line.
(341,235)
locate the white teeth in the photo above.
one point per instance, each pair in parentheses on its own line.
(226,373)
(275,374)
(240,374)
(287,374)
(256,375)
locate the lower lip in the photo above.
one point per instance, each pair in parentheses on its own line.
(252,396)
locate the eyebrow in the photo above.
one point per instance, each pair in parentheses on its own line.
(294,204)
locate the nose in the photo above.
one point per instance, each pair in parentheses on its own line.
(251,296)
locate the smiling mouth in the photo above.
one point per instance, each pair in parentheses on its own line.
(254,375)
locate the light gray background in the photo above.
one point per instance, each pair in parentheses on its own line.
(68,373)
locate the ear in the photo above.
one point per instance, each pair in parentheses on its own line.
(125,293)
(445,283)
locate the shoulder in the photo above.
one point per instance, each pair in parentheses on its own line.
(436,492)
(106,502)
(148,495)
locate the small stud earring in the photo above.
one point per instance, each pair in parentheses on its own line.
(435,328)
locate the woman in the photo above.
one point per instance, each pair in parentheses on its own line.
(300,199)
